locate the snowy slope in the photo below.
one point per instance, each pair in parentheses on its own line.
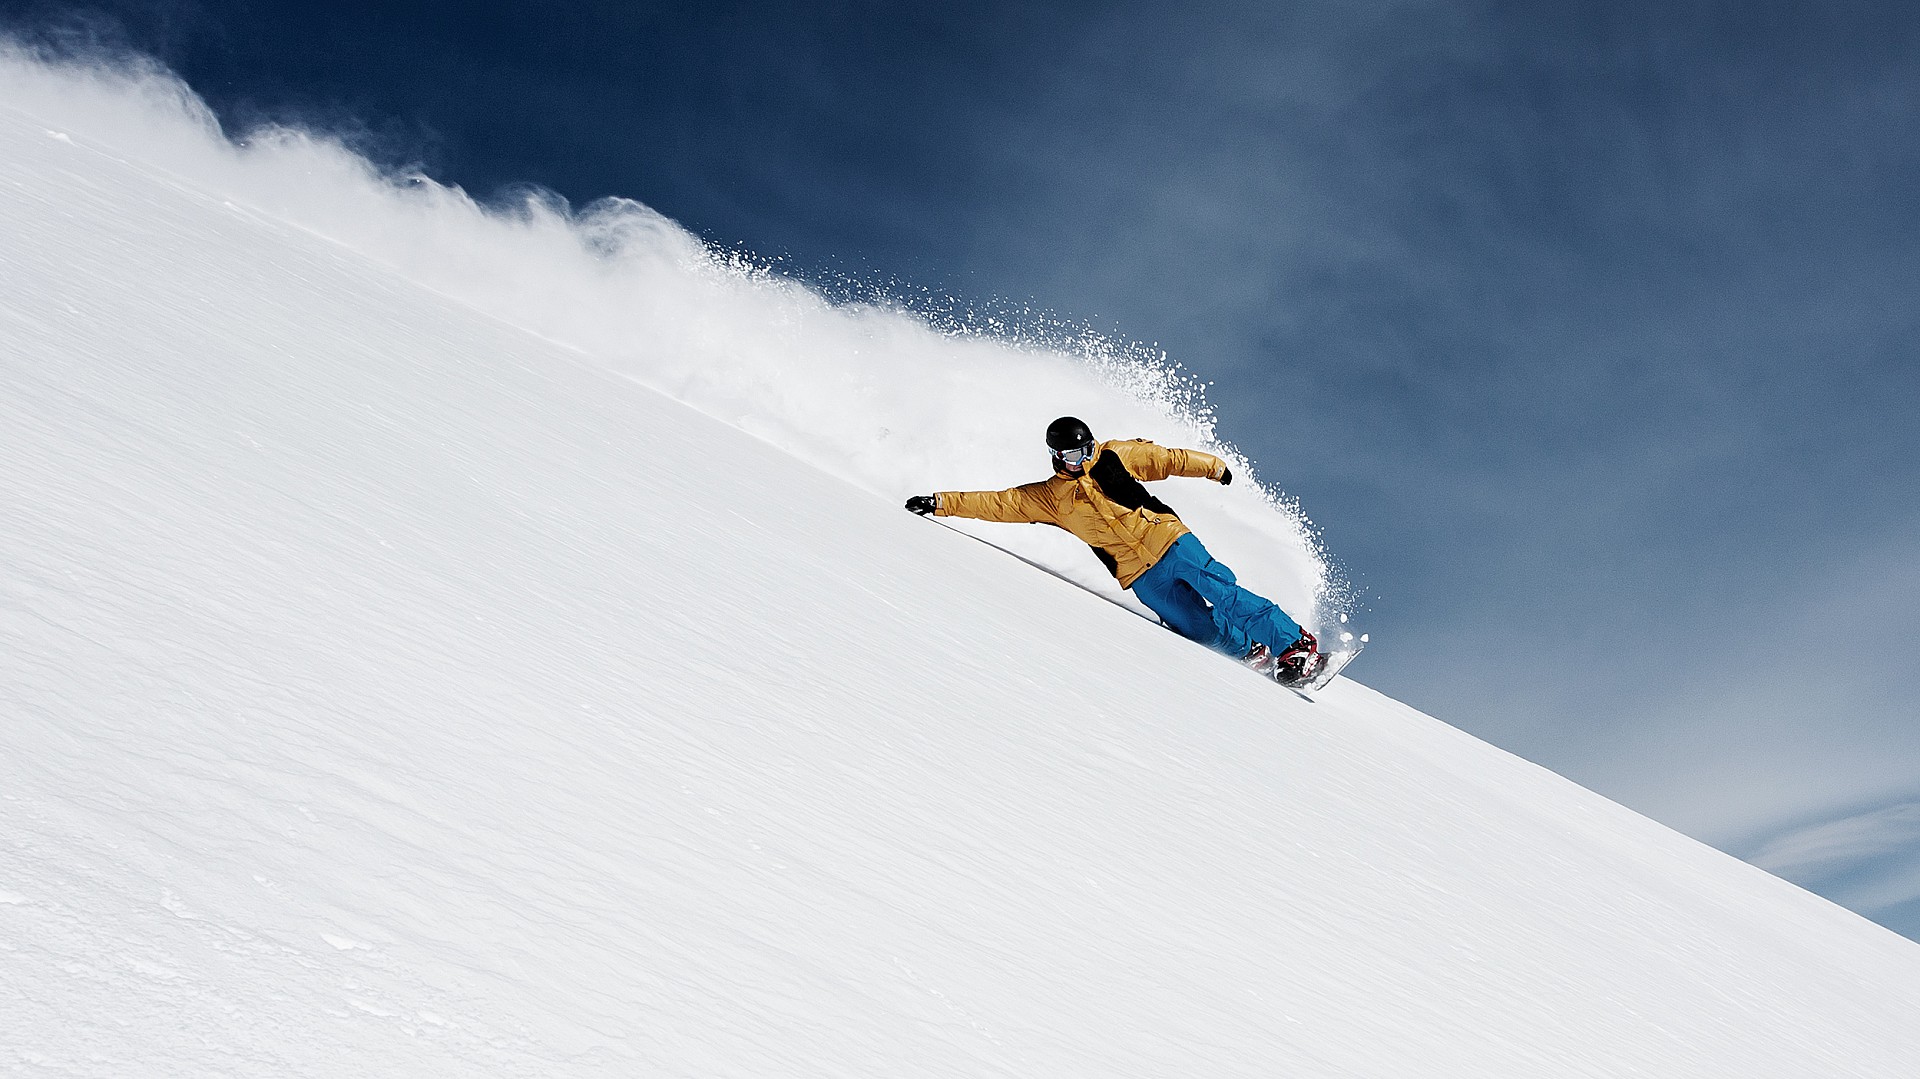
(389,688)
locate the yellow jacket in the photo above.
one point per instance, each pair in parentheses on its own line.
(1105,506)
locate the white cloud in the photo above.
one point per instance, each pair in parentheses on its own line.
(1821,849)
(1869,861)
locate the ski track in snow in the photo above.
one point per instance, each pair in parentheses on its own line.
(388,690)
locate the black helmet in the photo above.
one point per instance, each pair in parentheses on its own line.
(1071,444)
(1067,433)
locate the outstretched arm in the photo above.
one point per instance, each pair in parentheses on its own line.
(1148,461)
(1026,504)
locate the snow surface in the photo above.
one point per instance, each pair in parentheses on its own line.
(395,681)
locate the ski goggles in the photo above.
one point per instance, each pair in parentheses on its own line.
(1075,456)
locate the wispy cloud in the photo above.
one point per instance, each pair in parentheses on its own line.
(1869,862)
(1822,850)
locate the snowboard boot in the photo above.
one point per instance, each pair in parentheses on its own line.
(1260,659)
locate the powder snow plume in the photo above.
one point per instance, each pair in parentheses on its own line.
(893,400)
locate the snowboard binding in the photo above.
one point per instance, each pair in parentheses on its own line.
(1300,663)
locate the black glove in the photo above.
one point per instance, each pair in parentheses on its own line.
(1226,476)
(922,504)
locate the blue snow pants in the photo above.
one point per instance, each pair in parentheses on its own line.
(1200,599)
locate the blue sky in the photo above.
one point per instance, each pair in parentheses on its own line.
(1606,310)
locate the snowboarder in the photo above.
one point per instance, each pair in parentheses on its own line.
(1096,494)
